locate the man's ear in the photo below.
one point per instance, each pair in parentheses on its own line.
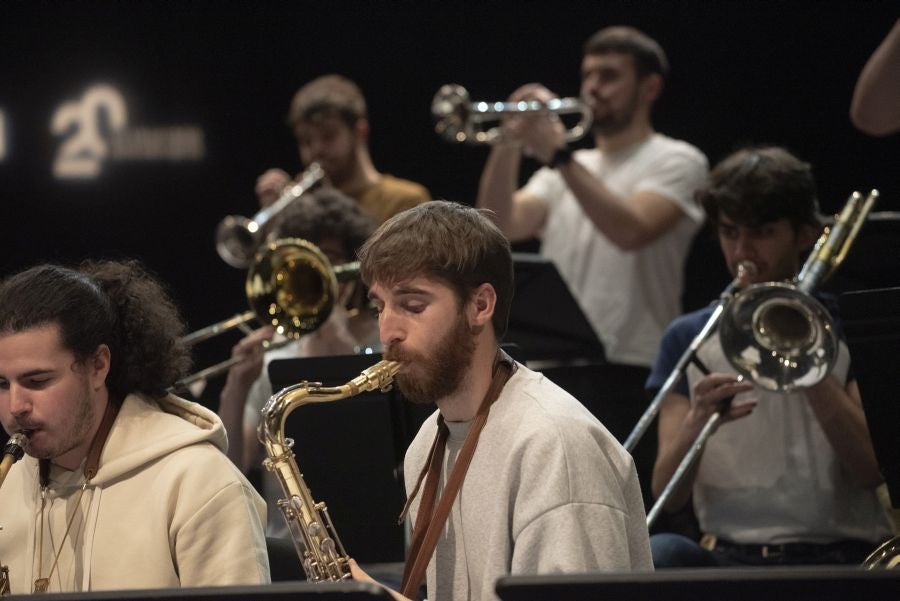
(651,87)
(361,129)
(482,304)
(98,367)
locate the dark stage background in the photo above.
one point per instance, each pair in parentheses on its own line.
(221,74)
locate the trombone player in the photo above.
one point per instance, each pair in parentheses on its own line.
(338,226)
(329,118)
(788,478)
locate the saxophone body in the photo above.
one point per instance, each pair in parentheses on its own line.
(318,546)
(12,452)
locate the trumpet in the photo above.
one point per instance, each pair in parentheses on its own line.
(12,452)
(291,286)
(458,119)
(777,334)
(237,237)
(316,541)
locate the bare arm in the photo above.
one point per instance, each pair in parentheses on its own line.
(875,108)
(242,444)
(840,413)
(518,215)
(629,223)
(680,425)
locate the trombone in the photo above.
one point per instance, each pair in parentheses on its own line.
(237,237)
(777,334)
(291,286)
(458,119)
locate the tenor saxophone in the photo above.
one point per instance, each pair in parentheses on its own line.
(318,545)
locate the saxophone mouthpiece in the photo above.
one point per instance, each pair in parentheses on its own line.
(15,446)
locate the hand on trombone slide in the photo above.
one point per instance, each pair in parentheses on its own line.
(270,185)
(248,354)
(714,393)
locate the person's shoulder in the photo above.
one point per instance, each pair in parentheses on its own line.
(661,144)
(556,432)
(550,412)
(688,324)
(404,188)
(682,330)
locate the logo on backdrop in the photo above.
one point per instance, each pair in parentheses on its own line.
(95,131)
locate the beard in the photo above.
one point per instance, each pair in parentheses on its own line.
(441,373)
(613,122)
(75,432)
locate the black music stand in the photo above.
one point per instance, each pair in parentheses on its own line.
(749,584)
(545,320)
(349,452)
(281,591)
(871,321)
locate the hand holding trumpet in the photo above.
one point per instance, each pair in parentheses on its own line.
(539,133)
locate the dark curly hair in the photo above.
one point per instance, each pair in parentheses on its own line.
(325,214)
(758,185)
(117,304)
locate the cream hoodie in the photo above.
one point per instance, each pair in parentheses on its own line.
(166,509)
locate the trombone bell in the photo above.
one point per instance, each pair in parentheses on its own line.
(779,336)
(293,286)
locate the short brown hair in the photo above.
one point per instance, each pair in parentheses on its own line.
(328,95)
(451,242)
(754,186)
(647,53)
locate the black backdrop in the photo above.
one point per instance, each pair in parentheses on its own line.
(742,72)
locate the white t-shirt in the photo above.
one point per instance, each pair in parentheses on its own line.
(628,296)
(772,477)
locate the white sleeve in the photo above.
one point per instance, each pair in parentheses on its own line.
(677,175)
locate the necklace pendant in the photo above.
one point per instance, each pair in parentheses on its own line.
(41,585)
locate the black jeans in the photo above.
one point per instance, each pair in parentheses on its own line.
(676,551)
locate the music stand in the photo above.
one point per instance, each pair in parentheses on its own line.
(871,321)
(772,583)
(280,591)
(545,320)
(348,452)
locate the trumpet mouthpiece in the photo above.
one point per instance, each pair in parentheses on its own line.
(746,270)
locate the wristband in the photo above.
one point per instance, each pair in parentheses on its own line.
(562,156)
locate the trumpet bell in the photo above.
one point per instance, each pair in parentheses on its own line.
(292,286)
(450,108)
(779,337)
